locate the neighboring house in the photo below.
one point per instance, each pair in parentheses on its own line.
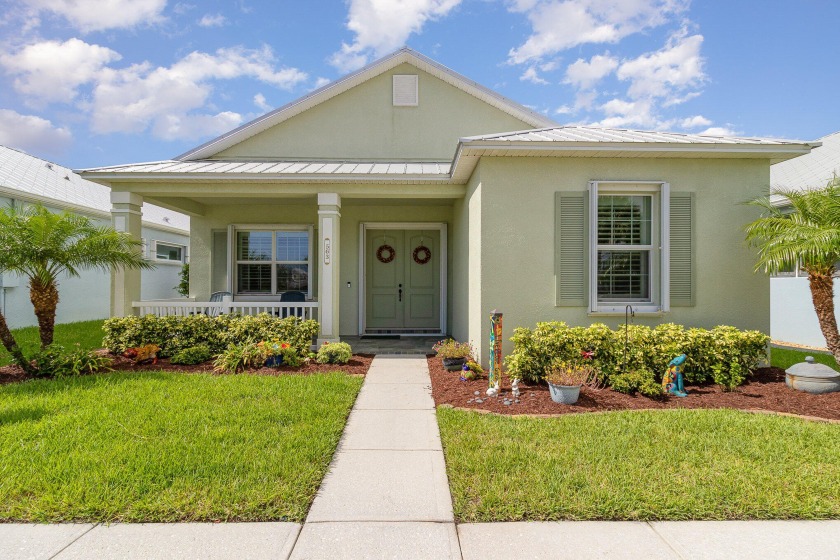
(407,199)
(792,314)
(25,179)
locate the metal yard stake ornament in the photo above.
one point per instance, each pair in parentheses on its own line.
(494,376)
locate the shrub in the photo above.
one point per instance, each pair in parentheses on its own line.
(56,360)
(451,348)
(238,357)
(649,349)
(334,353)
(728,377)
(192,355)
(641,381)
(174,334)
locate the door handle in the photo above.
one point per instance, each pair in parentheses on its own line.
(400,292)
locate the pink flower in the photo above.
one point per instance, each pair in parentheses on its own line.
(588,354)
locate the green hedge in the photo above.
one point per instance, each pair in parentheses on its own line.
(174,334)
(649,349)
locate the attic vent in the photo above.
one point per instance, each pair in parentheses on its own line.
(405,90)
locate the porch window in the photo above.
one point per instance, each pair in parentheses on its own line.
(169,252)
(271,262)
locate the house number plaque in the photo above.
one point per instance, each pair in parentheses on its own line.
(327,250)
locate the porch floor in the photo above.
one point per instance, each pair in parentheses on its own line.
(402,345)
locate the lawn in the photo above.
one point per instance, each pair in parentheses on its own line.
(673,464)
(88,334)
(168,447)
(784,357)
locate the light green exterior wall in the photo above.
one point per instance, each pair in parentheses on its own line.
(353,213)
(362,123)
(517,238)
(466,270)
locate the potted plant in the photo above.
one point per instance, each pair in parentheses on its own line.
(565,380)
(278,354)
(453,353)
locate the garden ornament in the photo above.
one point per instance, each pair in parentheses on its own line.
(494,390)
(514,388)
(672,381)
(140,354)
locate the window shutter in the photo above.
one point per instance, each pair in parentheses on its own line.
(570,248)
(682,249)
(405,90)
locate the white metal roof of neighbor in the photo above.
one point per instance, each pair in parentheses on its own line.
(810,171)
(32,179)
(401,56)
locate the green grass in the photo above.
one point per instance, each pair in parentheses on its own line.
(167,446)
(674,464)
(88,334)
(784,357)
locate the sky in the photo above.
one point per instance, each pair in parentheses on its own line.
(88,83)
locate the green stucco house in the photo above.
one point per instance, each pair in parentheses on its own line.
(407,199)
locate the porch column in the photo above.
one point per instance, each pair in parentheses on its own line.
(329,226)
(126,215)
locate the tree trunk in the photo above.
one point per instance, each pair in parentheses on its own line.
(44,299)
(11,345)
(822,294)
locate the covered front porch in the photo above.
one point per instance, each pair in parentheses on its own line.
(359,264)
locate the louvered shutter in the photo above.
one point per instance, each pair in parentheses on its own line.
(682,279)
(405,90)
(570,248)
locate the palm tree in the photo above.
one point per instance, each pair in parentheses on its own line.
(42,246)
(804,232)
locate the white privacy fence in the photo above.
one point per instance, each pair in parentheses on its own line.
(163,308)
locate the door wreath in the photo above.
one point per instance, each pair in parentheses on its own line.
(380,254)
(425,252)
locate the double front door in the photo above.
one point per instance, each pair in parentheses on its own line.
(402,280)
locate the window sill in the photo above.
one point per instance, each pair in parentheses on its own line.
(622,313)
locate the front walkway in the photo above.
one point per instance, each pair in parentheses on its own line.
(387,496)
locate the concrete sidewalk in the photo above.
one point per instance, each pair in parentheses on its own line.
(386,496)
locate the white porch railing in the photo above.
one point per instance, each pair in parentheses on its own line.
(163,308)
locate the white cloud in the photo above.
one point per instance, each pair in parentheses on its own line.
(719,131)
(50,71)
(97,15)
(530,75)
(695,122)
(621,113)
(584,75)
(32,134)
(382,26)
(561,24)
(212,20)
(192,127)
(259,101)
(668,71)
(136,98)
(321,82)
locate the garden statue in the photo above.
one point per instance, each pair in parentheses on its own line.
(672,381)
(141,354)
(514,388)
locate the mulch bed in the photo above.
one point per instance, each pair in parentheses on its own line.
(358,365)
(765,390)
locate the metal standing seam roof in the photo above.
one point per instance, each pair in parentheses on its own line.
(49,182)
(810,171)
(562,140)
(583,134)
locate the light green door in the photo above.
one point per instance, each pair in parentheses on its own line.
(402,292)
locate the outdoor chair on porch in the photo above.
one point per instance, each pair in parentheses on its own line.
(217,297)
(292,297)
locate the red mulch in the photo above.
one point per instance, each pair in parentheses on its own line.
(358,365)
(765,390)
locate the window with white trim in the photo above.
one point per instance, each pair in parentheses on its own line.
(169,252)
(628,246)
(273,261)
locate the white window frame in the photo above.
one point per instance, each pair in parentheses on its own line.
(154,255)
(274,228)
(659,247)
